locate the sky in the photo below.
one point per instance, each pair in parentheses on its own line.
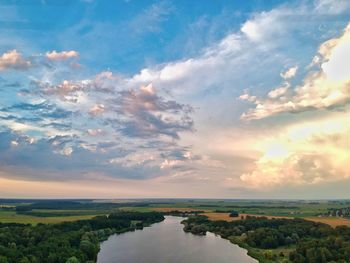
(175,99)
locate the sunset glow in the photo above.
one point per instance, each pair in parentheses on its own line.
(149,100)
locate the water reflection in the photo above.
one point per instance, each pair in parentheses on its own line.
(167,242)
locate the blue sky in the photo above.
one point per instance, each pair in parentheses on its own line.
(174,98)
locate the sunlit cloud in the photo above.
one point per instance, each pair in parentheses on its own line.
(63,55)
(13,60)
(167,122)
(327,87)
(305,153)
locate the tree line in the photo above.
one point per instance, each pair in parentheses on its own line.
(314,242)
(67,242)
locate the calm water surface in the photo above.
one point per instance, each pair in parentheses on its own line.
(166,242)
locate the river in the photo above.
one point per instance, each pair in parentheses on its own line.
(166,242)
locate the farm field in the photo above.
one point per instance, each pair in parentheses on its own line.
(226,216)
(44,212)
(334,222)
(13,217)
(180,209)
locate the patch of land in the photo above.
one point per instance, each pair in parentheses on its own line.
(226,216)
(41,211)
(332,221)
(180,209)
(13,217)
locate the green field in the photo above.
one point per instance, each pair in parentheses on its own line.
(13,217)
(272,208)
(88,209)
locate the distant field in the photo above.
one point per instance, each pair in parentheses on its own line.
(332,221)
(12,217)
(267,208)
(226,216)
(57,210)
(169,209)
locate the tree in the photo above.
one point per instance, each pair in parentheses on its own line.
(289,241)
(88,248)
(234,214)
(24,260)
(268,254)
(72,260)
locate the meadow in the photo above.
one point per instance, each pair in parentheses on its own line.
(55,211)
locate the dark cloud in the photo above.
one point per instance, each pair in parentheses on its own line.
(98,125)
(20,119)
(44,110)
(46,159)
(150,115)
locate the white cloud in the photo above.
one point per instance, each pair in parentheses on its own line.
(13,60)
(63,55)
(97,110)
(265,25)
(142,125)
(332,6)
(67,151)
(290,73)
(273,94)
(95,132)
(135,159)
(327,87)
(305,153)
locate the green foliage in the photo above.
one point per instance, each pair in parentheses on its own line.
(70,242)
(73,260)
(315,242)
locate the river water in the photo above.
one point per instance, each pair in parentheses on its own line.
(166,242)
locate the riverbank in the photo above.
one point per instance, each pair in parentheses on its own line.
(277,240)
(78,241)
(252,252)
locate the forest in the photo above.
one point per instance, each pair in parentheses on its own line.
(67,242)
(310,242)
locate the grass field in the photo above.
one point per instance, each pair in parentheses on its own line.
(311,210)
(226,216)
(170,209)
(13,217)
(332,221)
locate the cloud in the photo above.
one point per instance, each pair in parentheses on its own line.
(133,112)
(264,25)
(150,115)
(95,132)
(332,6)
(97,109)
(66,90)
(150,19)
(63,55)
(13,60)
(273,94)
(140,125)
(309,153)
(290,73)
(324,88)
(22,157)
